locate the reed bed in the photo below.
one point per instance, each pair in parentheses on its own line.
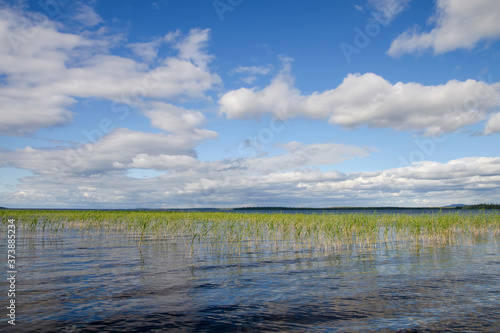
(233,231)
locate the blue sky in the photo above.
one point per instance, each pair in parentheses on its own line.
(227,103)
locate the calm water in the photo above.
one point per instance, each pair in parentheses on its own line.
(82,283)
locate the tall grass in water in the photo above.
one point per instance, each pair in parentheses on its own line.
(234,230)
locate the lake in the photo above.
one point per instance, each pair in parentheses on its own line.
(75,282)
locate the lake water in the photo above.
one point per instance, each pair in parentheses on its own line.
(104,283)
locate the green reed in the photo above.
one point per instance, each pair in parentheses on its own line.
(229,229)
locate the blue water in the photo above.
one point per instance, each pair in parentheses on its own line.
(104,283)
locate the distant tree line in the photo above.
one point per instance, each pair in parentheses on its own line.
(482,206)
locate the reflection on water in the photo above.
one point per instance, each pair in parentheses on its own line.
(104,283)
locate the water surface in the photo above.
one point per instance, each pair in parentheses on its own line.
(104,283)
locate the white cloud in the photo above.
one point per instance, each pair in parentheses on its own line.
(124,148)
(113,152)
(251,71)
(103,165)
(371,100)
(189,182)
(279,98)
(493,124)
(389,9)
(97,175)
(87,16)
(45,70)
(189,48)
(459,24)
(24,112)
(299,156)
(147,51)
(176,119)
(172,36)
(165,162)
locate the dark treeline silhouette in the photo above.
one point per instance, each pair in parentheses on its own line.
(482,206)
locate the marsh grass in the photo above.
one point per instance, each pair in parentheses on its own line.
(235,232)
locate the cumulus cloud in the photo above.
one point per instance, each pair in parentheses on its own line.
(177,119)
(124,148)
(251,72)
(460,24)
(371,100)
(113,151)
(190,183)
(279,98)
(45,70)
(95,175)
(24,112)
(104,163)
(493,124)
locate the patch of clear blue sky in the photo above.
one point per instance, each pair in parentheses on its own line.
(9,178)
(143,173)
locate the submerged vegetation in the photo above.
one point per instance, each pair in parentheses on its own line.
(229,230)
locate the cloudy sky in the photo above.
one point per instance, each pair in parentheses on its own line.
(226,103)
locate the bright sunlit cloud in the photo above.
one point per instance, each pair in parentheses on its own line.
(460,24)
